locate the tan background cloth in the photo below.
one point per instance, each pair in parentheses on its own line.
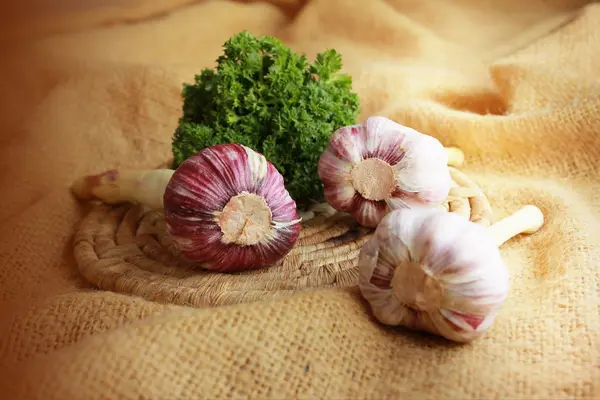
(513,83)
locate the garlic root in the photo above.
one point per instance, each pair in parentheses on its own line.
(145,187)
(528,219)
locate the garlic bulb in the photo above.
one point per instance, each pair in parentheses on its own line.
(371,169)
(227,208)
(435,271)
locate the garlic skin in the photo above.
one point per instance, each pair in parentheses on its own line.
(433,271)
(373,168)
(226,207)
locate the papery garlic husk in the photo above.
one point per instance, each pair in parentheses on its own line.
(434,271)
(226,207)
(373,168)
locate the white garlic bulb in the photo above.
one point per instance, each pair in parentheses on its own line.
(371,169)
(435,271)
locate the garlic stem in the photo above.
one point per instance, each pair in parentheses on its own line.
(323,209)
(464,192)
(460,206)
(528,219)
(146,187)
(456,157)
(306,215)
(481,212)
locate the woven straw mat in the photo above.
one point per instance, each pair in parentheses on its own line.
(126,250)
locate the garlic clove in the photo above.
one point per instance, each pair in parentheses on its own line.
(387,165)
(369,213)
(342,195)
(347,144)
(386,139)
(226,207)
(335,168)
(415,174)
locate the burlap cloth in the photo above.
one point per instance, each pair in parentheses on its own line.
(513,83)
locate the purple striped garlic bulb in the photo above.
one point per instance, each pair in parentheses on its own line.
(226,207)
(371,169)
(434,271)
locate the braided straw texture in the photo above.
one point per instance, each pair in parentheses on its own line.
(127,250)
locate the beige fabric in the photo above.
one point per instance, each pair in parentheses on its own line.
(513,83)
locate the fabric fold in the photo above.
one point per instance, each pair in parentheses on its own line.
(514,84)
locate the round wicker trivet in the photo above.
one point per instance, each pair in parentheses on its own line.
(127,250)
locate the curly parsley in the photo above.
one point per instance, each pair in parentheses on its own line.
(267,97)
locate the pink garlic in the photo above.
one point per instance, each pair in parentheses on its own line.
(435,271)
(226,207)
(371,169)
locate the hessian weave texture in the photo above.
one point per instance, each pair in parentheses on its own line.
(512,83)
